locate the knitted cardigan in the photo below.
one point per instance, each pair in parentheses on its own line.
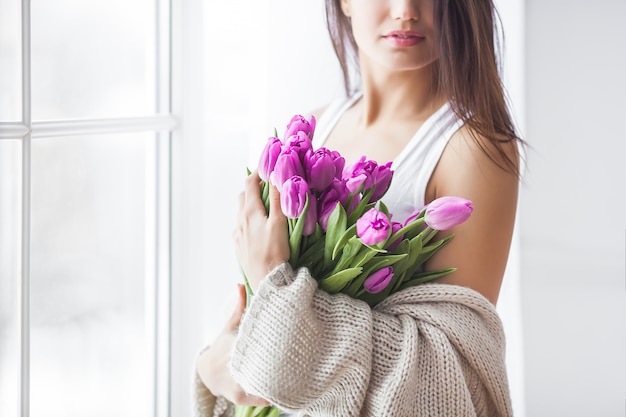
(431,350)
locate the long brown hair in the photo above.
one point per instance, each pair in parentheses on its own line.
(467,69)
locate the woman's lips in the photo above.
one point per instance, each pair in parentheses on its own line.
(404,38)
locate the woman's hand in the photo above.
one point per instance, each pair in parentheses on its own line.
(212,364)
(261,240)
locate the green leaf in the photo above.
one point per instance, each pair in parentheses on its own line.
(350,249)
(361,208)
(383,208)
(407,231)
(424,277)
(404,248)
(295,235)
(274,412)
(314,253)
(337,281)
(343,240)
(364,255)
(337,223)
(265,195)
(428,251)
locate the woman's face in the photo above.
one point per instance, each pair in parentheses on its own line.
(394,34)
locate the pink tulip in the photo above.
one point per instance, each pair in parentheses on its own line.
(335,193)
(293,199)
(299,124)
(300,142)
(340,163)
(382,180)
(373,227)
(268,157)
(287,165)
(359,175)
(446,212)
(320,168)
(395,226)
(413,216)
(379,280)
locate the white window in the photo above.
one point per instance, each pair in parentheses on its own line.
(85,147)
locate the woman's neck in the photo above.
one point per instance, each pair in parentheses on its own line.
(397,96)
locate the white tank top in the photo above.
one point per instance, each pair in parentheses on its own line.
(416,162)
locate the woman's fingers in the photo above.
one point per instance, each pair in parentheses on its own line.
(276,213)
(253,203)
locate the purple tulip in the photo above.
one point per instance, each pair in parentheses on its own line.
(446,212)
(339,162)
(300,142)
(335,193)
(287,165)
(382,180)
(268,157)
(292,200)
(324,211)
(359,175)
(379,280)
(299,124)
(395,226)
(293,197)
(320,168)
(373,227)
(413,216)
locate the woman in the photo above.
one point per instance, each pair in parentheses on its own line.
(430,99)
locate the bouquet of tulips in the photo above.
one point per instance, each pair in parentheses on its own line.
(341,230)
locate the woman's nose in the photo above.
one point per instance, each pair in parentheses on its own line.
(404,9)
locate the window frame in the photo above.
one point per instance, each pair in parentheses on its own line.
(165,126)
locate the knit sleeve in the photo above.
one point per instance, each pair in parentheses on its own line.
(436,351)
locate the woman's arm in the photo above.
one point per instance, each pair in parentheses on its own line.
(480,247)
(215,383)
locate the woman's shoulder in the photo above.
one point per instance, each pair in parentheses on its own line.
(475,168)
(469,151)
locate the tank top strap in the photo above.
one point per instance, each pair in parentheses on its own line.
(330,116)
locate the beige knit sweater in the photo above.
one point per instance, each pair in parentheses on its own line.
(433,350)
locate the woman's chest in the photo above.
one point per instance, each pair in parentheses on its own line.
(378,143)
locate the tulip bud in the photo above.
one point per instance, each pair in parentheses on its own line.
(293,199)
(446,212)
(373,227)
(300,124)
(300,142)
(287,165)
(379,280)
(359,175)
(320,168)
(339,162)
(335,193)
(413,216)
(268,157)
(395,226)
(382,180)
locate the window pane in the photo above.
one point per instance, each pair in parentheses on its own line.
(10,167)
(90,342)
(93,58)
(10,61)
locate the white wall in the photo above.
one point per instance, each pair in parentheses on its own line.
(573,220)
